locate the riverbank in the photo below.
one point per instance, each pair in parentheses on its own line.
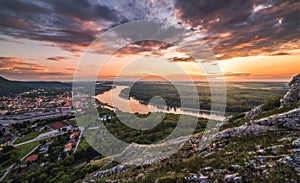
(113,98)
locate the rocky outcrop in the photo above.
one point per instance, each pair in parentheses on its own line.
(254,112)
(289,120)
(110,172)
(293,95)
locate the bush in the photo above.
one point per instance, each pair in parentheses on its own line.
(271,103)
(171,179)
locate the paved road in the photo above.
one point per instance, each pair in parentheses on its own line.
(7,172)
(42,136)
(9,168)
(35,148)
(14,137)
(78,142)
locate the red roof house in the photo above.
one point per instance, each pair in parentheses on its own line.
(68,148)
(32,158)
(74,134)
(58,125)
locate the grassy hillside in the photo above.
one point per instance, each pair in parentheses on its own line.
(8,87)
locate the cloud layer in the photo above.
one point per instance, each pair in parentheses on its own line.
(237,28)
(231,28)
(12,66)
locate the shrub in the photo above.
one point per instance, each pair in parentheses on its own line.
(271,103)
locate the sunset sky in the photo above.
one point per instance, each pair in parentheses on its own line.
(253,40)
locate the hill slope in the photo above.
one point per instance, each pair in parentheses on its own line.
(8,87)
(264,149)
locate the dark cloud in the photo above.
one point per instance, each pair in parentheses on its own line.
(22,7)
(70,69)
(147,48)
(182,59)
(153,49)
(58,58)
(67,24)
(232,28)
(236,28)
(84,10)
(231,74)
(57,74)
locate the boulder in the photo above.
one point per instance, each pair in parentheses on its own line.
(287,120)
(230,177)
(293,95)
(296,142)
(254,112)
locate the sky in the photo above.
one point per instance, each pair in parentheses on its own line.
(251,40)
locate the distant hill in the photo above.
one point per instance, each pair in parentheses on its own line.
(12,87)
(47,85)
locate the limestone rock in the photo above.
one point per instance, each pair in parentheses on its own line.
(110,172)
(293,95)
(230,177)
(288,120)
(296,142)
(254,112)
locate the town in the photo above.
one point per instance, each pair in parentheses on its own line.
(38,127)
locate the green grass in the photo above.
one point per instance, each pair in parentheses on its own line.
(25,149)
(240,122)
(83,144)
(29,136)
(170,170)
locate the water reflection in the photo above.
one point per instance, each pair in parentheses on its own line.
(132,105)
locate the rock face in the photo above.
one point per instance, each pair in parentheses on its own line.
(110,172)
(293,95)
(289,120)
(254,112)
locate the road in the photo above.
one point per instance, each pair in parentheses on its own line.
(52,133)
(80,136)
(35,148)
(9,168)
(42,136)
(14,137)
(7,172)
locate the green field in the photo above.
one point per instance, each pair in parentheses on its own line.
(84,145)
(240,97)
(28,136)
(22,150)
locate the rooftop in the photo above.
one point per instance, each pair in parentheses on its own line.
(32,158)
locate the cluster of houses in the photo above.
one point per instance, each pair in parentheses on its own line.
(19,109)
(30,162)
(22,103)
(25,164)
(74,137)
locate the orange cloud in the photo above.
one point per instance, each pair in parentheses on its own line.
(14,67)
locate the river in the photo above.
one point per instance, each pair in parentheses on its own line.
(131,105)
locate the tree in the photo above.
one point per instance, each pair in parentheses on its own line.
(271,103)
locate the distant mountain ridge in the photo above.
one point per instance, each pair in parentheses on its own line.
(8,87)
